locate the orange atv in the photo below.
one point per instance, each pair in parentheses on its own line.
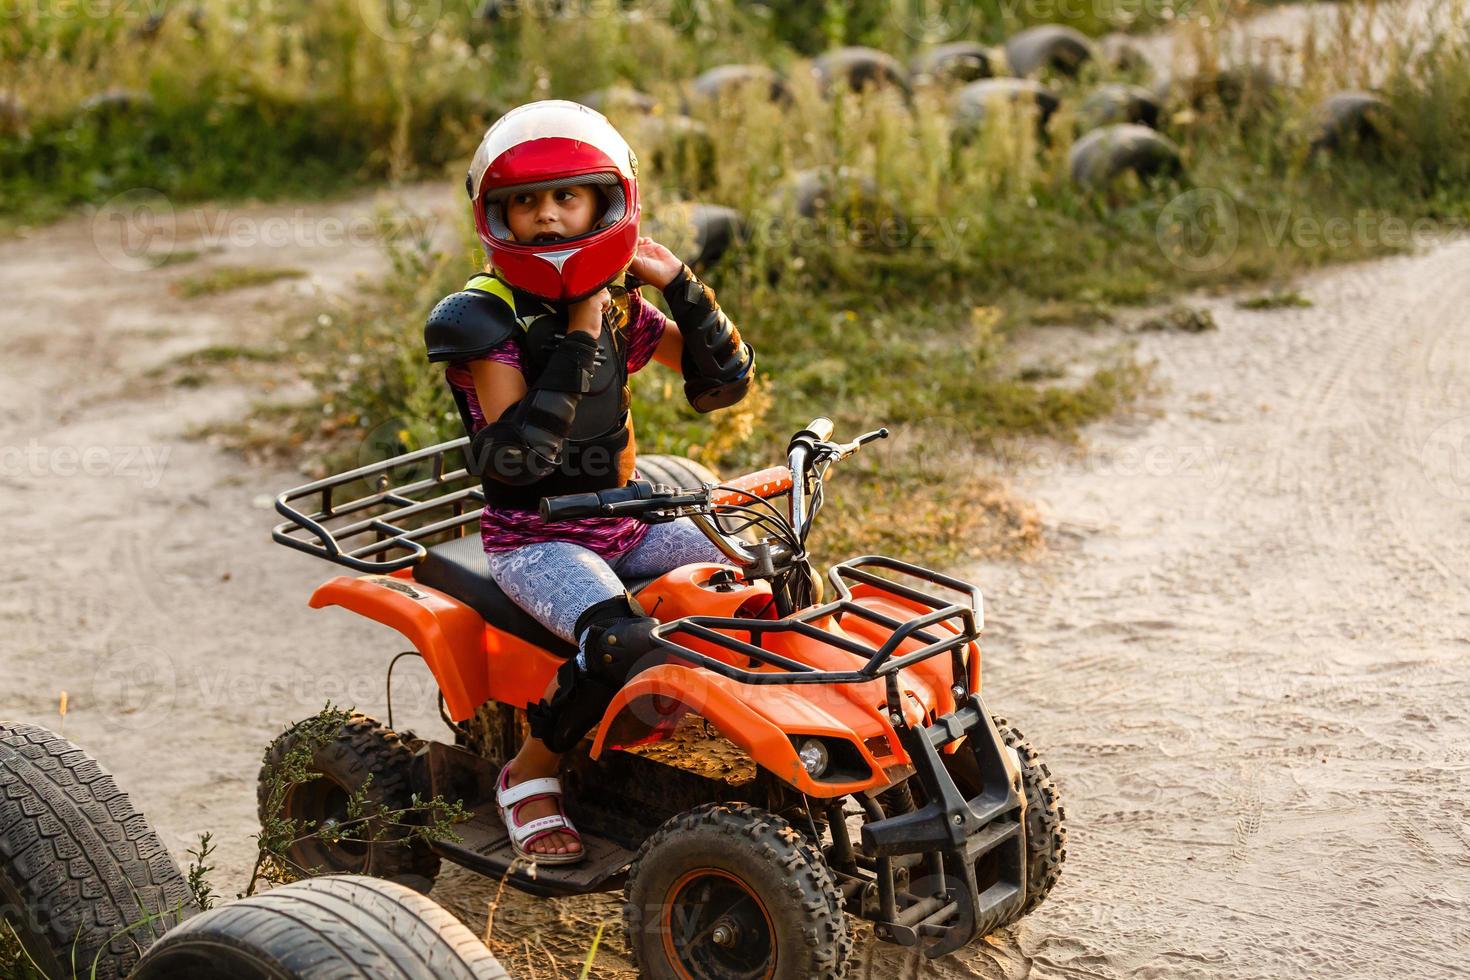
(784,762)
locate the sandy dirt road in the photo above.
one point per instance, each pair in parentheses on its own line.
(1246,655)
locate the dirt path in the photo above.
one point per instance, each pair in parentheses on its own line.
(1246,657)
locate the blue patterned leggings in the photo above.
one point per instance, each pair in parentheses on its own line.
(555,581)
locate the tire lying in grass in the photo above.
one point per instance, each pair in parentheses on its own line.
(955,63)
(1048,46)
(1235,89)
(1349,118)
(860,69)
(699,234)
(1119,103)
(84,880)
(12,115)
(363,752)
(674,143)
(1120,53)
(324,929)
(621,99)
(729,81)
(116,103)
(1103,154)
(978,101)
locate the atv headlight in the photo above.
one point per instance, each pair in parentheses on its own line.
(814,756)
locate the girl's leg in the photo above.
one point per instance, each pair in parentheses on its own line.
(553,582)
(666,547)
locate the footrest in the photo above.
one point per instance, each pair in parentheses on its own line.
(484,847)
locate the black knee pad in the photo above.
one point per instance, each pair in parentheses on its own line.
(618,635)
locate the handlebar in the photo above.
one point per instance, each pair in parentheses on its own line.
(638,497)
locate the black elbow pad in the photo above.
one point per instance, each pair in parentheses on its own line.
(717,365)
(468,324)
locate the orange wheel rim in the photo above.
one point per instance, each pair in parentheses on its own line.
(715,927)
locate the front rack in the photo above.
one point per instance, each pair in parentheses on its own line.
(386,529)
(961,622)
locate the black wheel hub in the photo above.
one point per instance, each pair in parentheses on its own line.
(718,928)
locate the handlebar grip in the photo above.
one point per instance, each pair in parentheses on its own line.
(821,427)
(603,503)
(570,505)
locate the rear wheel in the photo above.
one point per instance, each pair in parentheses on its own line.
(362,756)
(728,891)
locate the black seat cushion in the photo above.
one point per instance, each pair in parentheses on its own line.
(458,568)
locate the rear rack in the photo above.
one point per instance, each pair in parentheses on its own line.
(386,529)
(965,619)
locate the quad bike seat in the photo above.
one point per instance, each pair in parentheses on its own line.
(458,568)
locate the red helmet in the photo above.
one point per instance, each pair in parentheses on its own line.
(556,144)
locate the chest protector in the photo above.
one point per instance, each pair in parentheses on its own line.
(600,449)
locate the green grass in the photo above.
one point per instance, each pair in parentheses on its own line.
(1284,299)
(229,278)
(988,235)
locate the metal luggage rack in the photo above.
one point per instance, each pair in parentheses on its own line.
(966,617)
(385,530)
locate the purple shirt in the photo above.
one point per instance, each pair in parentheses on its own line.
(608,537)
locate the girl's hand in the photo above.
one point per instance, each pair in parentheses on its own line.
(654,264)
(586,316)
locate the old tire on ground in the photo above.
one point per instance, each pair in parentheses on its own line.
(1349,118)
(79,865)
(727,81)
(956,62)
(976,102)
(1119,103)
(1054,46)
(1103,154)
(676,471)
(859,69)
(699,234)
(727,890)
(363,747)
(1239,88)
(1046,819)
(324,929)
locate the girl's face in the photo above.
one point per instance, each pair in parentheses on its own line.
(554,214)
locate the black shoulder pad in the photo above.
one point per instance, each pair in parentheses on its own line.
(467,324)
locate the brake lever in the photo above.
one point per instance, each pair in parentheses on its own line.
(848,449)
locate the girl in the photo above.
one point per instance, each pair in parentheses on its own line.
(539,351)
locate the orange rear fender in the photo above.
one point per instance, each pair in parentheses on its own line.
(453,639)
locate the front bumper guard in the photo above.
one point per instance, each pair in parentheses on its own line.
(973,846)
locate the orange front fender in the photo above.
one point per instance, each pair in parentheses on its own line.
(758,719)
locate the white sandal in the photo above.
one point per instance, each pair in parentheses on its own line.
(510,798)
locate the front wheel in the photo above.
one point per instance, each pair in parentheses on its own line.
(728,891)
(1046,819)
